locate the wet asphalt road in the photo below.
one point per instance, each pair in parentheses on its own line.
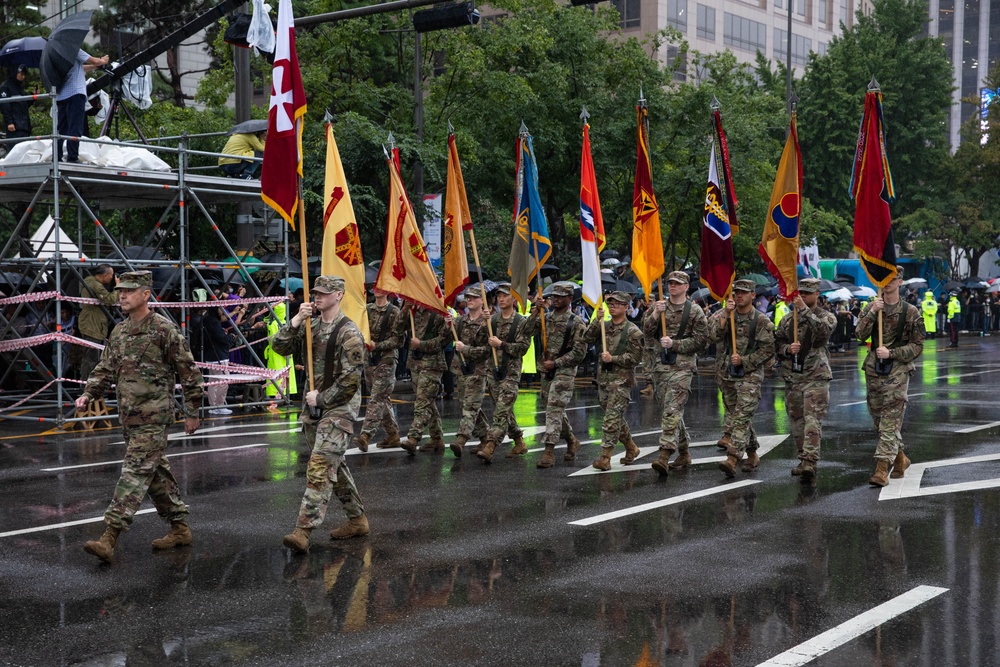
(471,564)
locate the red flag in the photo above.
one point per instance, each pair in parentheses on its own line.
(717,265)
(279,180)
(592,237)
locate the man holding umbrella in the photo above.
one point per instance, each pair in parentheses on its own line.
(16,120)
(71,101)
(247,140)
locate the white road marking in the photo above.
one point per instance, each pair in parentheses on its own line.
(909,486)
(169,456)
(963,375)
(981,427)
(212,432)
(589,521)
(823,643)
(844,405)
(767,443)
(56,526)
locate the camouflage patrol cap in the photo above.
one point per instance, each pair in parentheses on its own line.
(744,285)
(329,284)
(473,292)
(678,277)
(563,288)
(619,296)
(503,288)
(809,285)
(136,280)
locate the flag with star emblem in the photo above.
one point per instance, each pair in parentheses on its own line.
(592,237)
(279,179)
(647,246)
(405,269)
(530,247)
(779,245)
(457,220)
(341,242)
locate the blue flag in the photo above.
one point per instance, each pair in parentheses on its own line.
(531,246)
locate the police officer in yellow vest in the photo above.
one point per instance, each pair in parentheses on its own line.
(929,308)
(954,315)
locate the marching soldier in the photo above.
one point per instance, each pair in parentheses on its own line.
(511,339)
(426,364)
(473,345)
(565,350)
(674,364)
(805,368)
(740,372)
(887,373)
(146,351)
(338,359)
(616,377)
(380,373)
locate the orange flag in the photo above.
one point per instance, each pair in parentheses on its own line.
(405,270)
(647,246)
(456,221)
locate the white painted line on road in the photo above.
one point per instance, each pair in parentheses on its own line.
(169,456)
(963,375)
(981,427)
(844,405)
(56,526)
(663,503)
(208,433)
(909,486)
(823,643)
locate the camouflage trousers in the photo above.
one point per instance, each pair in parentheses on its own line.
(145,470)
(327,472)
(471,391)
(426,384)
(557,394)
(672,388)
(381,379)
(887,405)
(806,403)
(741,398)
(504,393)
(614,398)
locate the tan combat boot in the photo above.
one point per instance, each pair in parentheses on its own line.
(725,442)
(518,449)
(458,445)
(631,450)
(298,540)
(751,462)
(682,461)
(900,465)
(434,445)
(361,442)
(410,445)
(355,527)
(662,464)
(179,536)
(797,470)
(729,465)
(548,456)
(486,451)
(104,547)
(389,442)
(808,471)
(881,476)
(572,447)
(603,462)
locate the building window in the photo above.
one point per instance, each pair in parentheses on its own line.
(821,49)
(629,11)
(706,22)
(677,14)
(677,63)
(800,7)
(801,46)
(844,13)
(778,4)
(744,33)
(823,7)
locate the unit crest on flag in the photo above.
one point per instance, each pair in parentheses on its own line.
(348,245)
(335,196)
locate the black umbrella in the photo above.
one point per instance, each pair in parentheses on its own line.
(627,287)
(13,282)
(952,284)
(294,265)
(474,274)
(609,253)
(137,252)
(608,278)
(549,270)
(828,285)
(22,51)
(249,127)
(59,54)
(371,274)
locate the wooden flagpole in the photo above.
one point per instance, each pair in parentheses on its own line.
(304,252)
(482,288)
(541,312)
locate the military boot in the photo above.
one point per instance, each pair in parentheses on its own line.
(603,462)
(104,547)
(881,476)
(391,440)
(797,470)
(662,464)
(410,445)
(355,527)
(458,445)
(900,465)
(808,471)
(548,456)
(179,536)
(631,450)
(486,452)
(682,461)
(297,540)
(572,447)
(725,442)
(518,449)
(361,442)
(729,465)
(751,462)
(434,445)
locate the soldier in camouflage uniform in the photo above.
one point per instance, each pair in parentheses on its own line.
(473,346)
(380,373)
(511,339)
(92,323)
(673,365)
(805,368)
(338,361)
(426,363)
(741,392)
(616,377)
(565,350)
(145,354)
(887,373)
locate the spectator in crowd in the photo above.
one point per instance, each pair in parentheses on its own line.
(210,344)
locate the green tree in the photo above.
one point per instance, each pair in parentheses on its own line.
(21,18)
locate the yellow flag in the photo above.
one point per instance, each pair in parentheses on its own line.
(456,220)
(341,242)
(405,270)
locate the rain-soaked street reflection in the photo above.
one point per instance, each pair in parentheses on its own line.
(476,564)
